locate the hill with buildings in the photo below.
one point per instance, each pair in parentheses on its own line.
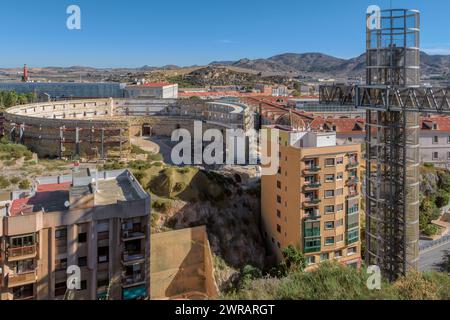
(304,65)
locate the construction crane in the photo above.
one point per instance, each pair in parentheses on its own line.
(393,100)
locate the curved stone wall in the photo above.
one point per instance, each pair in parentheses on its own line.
(103,128)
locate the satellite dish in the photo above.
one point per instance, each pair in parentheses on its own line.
(67,204)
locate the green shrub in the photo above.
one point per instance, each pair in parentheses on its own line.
(4,183)
(442,199)
(25,184)
(431,230)
(179,186)
(14,180)
(161,205)
(139,165)
(428,165)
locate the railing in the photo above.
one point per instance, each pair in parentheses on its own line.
(21,278)
(312,169)
(352,180)
(435,243)
(352,165)
(127,257)
(353,195)
(132,234)
(312,202)
(314,185)
(21,251)
(131,280)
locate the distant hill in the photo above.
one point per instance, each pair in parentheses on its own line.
(307,65)
(319,64)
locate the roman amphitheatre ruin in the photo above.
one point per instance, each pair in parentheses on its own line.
(104,128)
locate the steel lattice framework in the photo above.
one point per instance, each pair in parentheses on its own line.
(393,100)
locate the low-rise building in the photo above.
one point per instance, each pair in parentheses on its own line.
(160,90)
(93,222)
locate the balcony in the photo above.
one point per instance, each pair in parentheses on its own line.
(352,195)
(352,181)
(312,186)
(311,170)
(133,280)
(20,279)
(128,235)
(131,258)
(352,165)
(311,202)
(312,217)
(21,253)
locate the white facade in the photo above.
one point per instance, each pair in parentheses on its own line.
(169,91)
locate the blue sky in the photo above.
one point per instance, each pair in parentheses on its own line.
(134,33)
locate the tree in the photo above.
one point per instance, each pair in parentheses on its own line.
(442,199)
(294,259)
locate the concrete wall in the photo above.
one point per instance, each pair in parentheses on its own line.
(181,265)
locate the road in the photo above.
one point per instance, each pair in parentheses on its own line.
(431,260)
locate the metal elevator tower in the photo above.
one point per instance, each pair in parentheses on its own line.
(392,146)
(393,100)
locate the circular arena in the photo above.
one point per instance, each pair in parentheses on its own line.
(104,128)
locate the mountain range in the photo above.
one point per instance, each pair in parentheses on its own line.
(315,64)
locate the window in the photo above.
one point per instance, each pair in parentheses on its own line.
(435,126)
(82,237)
(339,176)
(435,155)
(83,285)
(339,223)
(340,160)
(435,140)
(339,238)
(60,289)
(324,256)
(102,283)
(278,245)
(329,162)
(278,228)
(61,234)
(82,262)
(329,225)
(338,254)
(351,251)
(279,184)
(278,199)
(448,139)
(278,213)
(448,155)
(24,241)
(353,236)
(103,254)
(340,207)
(329,193)
(61,265)
(329,209)
(339,192)
(353,209)
(23,266)
(329,241)
(311,260)
(329,178)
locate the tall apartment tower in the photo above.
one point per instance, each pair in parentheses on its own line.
(392,147)
(313,202)
(94,222)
